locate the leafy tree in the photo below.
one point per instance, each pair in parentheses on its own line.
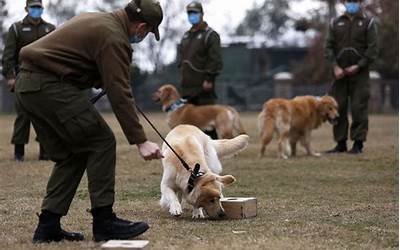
(62,10)
(3,16)
(388,16)
(270,18)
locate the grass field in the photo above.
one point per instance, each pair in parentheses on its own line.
(331,202)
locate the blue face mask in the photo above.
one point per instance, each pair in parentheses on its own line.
(352,8)
(194,18)
(35,12)
(136,39)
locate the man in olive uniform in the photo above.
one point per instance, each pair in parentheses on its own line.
(199,59)
(20,34)
(351,47)
(90,50)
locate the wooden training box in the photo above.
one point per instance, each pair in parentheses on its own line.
(125,244)
(239,207)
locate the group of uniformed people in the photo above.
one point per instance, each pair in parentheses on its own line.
(94,50)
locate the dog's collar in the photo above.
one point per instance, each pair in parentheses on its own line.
(176,105)
(195,173)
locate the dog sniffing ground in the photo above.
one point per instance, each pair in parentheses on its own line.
(329,202)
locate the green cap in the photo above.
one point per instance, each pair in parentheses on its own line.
(31,3)
(149,11)
(195,7)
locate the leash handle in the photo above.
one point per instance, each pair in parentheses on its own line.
(185,165)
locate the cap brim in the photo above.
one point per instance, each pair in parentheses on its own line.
(156,33)
(35,4)
(193,9)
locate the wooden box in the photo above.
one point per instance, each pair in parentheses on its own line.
(125,244)
(239,207)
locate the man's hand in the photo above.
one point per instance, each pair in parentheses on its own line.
(149,151)
(11,84)
(207,86)
(339,72)
(352,70)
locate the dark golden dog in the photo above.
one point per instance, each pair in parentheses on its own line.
(224,118)
(293,121)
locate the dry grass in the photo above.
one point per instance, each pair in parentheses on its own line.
(331,202)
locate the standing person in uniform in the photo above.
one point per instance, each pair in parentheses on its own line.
(90,50)
(200,60)
(351,47)
(20,34)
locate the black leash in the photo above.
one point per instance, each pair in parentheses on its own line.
(195,173)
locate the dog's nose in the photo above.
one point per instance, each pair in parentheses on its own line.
(221,215)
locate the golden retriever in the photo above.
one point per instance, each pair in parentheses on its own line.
(293,121)
(224,118)
(195,147)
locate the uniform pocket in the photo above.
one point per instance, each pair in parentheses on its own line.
(80,121)
(28,82)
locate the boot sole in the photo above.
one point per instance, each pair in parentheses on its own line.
(105,237)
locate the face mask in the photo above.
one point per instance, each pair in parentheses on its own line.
(194,18)
(352,7)
(136,39)
(35,12)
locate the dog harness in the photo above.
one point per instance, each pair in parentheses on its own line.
(176,105)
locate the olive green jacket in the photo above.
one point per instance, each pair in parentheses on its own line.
(199,58)
(19,35)
(352,41)
(92,50)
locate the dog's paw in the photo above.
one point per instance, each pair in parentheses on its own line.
(316,154)
(198,213)
(175,209)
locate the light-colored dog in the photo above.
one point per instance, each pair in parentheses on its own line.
(195,147)
(224,118)
(293,121)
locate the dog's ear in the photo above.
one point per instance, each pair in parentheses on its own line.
(226,180)
(165,93)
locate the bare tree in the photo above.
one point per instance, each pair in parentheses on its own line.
(156,54)
(3,15)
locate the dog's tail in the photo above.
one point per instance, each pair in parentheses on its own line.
(229,147)
(266,128)
(237,124)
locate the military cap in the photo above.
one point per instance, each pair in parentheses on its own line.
(194,6)
(147,10)
(31,3)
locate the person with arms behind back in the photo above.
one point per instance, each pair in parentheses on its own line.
(20,34)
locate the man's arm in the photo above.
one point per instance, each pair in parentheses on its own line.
(214,58)
(329,50)
(113,63)
(10,54)
(372,48)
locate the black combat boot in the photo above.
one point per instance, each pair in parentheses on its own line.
(107,226)
(19,152)
(212,133)
(341,147)
(357,147)
(49,230)
(42,154)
